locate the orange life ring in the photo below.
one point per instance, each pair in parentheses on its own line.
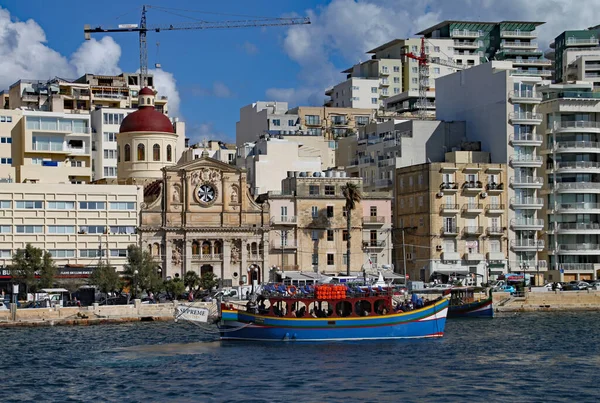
(289,289)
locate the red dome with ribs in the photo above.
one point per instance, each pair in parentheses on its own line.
(146,119)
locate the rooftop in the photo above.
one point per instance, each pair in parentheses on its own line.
(478,23)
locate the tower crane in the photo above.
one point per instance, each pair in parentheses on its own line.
(142,28)
(424,62)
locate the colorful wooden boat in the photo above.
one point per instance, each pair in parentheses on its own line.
(336,316)
(464,304)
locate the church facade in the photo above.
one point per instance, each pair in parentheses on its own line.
(201,217)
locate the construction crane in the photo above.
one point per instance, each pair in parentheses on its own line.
(424,62)
(142,28)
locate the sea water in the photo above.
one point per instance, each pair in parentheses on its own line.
(534,357)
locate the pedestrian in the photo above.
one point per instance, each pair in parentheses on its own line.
(191,296)
(559,286)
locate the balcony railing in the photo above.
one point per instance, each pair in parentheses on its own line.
(564,145)
(526,201)
(449,186)
(373,244)
(578,206)
(474,208)
(528,243)
(575,226)
(526,158)
(450,230)
(449,208)
(526,94)
(527,180)
(494,207)
(517,265)
(580,124)
(576,247)
(473,185)
(382,182)
(524,34)
(465,33)
(513,44)
(473,230)
(576,266)
(542,62)
(208,256)
(572,95)
(287,244)
(529,222)
(491,187)
(467,44)
(577,186)
(494,231)
(526,138)
(373,220)
(576,165)
(525,116)
(582,41)
(284,219)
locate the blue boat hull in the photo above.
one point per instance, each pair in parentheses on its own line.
(422,323)
(478,309)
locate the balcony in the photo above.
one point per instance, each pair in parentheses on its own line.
(366,161)
(495,208)
(208,257)
(527,139)
(465,33)
(373,221)
(286,244)
(579,249)
(525,97)
(494,188)
(472,208)
(577,147)
(578,208)
(577,166)
(524,224)
(577,266)
(382,183)
(528,265)
(525,118)
(449,187)
(450,231)
(518,34)
(384,83)
(472,231)
(507,52)
(450,256)
(582,41)
(373,244)
(526,160)
(496,256)
(449,209)
(576,187)
(494,231)
(575,228)
(474,256)
(527,244)
(466,44)
(472,186)
(575,127)
(527,182)
(522,203)
(532,62)
(384,72)
(519,45)
(284,220)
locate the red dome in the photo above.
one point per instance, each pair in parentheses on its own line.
(146,91)
(146,119)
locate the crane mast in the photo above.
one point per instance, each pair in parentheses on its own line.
(143,29)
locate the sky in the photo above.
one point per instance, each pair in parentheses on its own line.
(209,75)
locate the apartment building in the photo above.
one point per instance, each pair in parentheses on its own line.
(80,225)
(9,125)
(569,134)
(451,218)
(576,56)
(500,109)
(216,149)
(308,225)
(380,148)
(485,41)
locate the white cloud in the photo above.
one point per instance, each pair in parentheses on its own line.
(206,130)
(342,31)
(220,90)
(165,84)
(99,57)
(250,48)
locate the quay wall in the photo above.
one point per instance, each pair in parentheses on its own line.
(588,300)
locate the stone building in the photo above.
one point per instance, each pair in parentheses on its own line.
(200,217)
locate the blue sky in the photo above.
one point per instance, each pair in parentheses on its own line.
(219,71)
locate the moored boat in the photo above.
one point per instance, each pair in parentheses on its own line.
(329,313)
(465,304)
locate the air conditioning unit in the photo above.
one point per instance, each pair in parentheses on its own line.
(438,247)
(483,195)
(439,194)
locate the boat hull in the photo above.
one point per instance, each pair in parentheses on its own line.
(427,322)
(477,309)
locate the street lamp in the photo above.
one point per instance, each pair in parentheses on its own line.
(135,273)
(251,269)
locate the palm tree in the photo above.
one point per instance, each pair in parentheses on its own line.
(353,196)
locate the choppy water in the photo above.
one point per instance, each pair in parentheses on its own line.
(517,358)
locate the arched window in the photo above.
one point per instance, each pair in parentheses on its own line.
(118,153)
(127,153)
(217,247)
(169,153)
(156,152)
(141,153)
(195,248)
(206,248)
(142,101)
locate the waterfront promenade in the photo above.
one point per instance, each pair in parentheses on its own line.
(588,300)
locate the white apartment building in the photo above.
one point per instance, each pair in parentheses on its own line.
(500,107)
(8,122)
(576,55)
(380,148)
(216,149)
(105,127)
(355,92)
(78,224)
(261,118)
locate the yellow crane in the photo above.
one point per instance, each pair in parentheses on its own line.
(142,28)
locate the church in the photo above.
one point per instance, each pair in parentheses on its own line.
(196,215)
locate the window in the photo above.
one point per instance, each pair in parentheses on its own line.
(118,252)
(396,90)
(410,181)
(329,190)
(284,211)
(113,118)
(494,245)
(384,69)
(420,201)
(330,235)
(5,204)
(92,229)
(61,229)
(92,205)
(373,237)
(122,205)
(373,100)
(362,120)
(62,253)
(355,88)
(315,211)
(127,153)
(156,152)
(314,235)
(312,131)
(276,122)
(4,229)
(91,253)
(76,164)
(315,259)
(141,152)
(415,80)
(373,90)
(330,259)
(421,222)
(37,161)
(313,190)
(373,211)
(420,179)
(22,204)
(329,211)
(291,122)
(110,137)
(5,253)
(436,70)
(61,205)
(6,161)
(5,140)
(396,80)
(110,171)
(312,119)
(415,70)
(169,153)
(396,69)
(122,229)
(345,235)
(30,229)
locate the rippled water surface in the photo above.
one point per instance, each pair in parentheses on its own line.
(514,358)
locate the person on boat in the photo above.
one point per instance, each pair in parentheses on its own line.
(312,313)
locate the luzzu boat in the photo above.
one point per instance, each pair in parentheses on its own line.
(464,304)
(329,313)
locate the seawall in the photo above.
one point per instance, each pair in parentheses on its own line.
(93,315)
(548,301)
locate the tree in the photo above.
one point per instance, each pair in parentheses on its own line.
(31,262)
(191,281)
(106,278)
(353,196)
(142,271)
(174,287)
(208,281)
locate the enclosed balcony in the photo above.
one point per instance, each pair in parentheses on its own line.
(449,209)
(527,244)
(472,208)
(526,182)
(491,209)
(524,224)
(472,186)
(526,139)
(526,160)
(450,230)
(523,203)
(525,118)
(286,244)
(472,231)
(577,166)
(578,208)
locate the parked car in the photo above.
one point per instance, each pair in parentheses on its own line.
(595,285)
(506,288)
